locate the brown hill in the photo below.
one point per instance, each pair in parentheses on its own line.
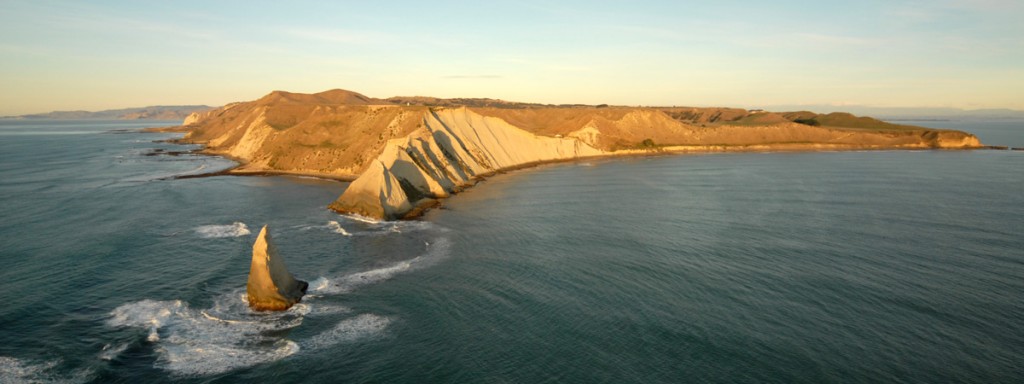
(330,97)
(844,120)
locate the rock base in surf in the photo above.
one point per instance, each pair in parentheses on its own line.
(271,287)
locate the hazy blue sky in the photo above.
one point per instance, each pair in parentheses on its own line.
(106,54)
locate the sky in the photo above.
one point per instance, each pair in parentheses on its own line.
(94,55)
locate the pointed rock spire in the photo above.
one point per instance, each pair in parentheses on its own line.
(271,287)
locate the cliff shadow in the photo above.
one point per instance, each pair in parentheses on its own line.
(411,179)
(429,164)
(444,143)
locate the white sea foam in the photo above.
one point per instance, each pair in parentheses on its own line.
(332,226)
(111,351)
(318,284)
(352,329)
(212,358)
(17,371)
(320,310)
(225,337)
(20,371)
(361,218)
(355,280)
(235,229)
(436,250)
(392,227)
(228,335)
(336,228)
(409,226)
(374,227)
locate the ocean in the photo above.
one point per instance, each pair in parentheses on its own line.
(840,267)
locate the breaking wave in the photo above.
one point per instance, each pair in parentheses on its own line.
(361,218)
(336,228)
(236,229)
(225,337)
(379,227)
(344,284)
(228,335)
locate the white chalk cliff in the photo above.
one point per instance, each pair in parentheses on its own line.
(271,287)
(454,147)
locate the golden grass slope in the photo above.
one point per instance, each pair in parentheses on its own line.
(333,134)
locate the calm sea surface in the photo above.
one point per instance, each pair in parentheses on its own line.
(887,266)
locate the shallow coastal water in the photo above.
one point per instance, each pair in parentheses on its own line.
(786,267)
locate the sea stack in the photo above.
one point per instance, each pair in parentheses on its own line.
(271,287)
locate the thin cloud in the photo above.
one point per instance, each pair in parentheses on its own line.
(342,36)
(740,34)
(985,5)
(472,77)
(95,21)
(832,40)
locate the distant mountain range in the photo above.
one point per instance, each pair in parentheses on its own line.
(156,112)
(180,112)
(908,113)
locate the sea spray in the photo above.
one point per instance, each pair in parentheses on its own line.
(360,327)
(336,228)
(225,337)
(435,251)
(235,229)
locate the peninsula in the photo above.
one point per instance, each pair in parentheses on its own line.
(402,154)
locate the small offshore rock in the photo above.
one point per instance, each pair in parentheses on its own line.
(271,287)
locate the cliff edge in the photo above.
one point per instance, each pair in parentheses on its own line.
(451,149)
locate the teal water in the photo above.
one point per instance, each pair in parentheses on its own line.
(791,267)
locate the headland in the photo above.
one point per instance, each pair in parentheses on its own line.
(402,154)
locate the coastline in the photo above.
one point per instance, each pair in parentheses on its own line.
(235,170)
(421,207)
(400,160)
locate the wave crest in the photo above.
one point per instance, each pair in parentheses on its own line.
(436,251)
(335,227)
(356,328)
(226,337)
(235,229)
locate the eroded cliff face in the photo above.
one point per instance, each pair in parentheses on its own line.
(453,148)
(400,157)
